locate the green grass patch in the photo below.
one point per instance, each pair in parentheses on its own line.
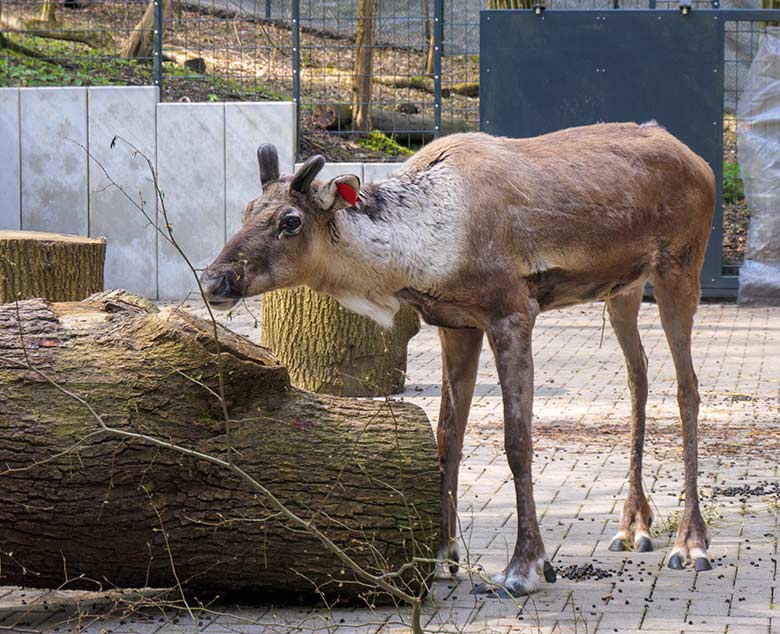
(380,142)
(57,63)
(733,187)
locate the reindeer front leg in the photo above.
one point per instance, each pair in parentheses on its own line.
(510,338)
(460,350)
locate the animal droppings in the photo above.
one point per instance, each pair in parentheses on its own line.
(581,572)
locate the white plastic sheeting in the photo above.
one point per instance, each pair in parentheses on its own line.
(758,144)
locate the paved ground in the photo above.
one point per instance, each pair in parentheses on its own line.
(580,466)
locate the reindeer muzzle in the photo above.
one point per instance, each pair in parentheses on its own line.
(221,288)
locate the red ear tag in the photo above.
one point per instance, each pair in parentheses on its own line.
(347,193)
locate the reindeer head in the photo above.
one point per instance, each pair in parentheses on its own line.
(285,232)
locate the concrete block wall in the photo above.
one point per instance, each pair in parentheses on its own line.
(60,173)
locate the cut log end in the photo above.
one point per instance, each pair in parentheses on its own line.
(56,266)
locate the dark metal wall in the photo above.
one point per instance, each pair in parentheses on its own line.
(544,72)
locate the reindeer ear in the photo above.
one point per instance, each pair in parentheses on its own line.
(268,160)
(339,193)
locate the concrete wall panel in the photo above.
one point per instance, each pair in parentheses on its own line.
(248,125)
(191,165)
(130,113)
(53,163)
(10,168)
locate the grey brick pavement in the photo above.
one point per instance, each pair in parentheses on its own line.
(581,433)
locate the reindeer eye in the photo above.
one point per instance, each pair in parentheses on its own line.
(290,224)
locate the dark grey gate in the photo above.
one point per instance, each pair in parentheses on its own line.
(562,68)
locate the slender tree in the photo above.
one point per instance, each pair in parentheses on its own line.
(140,44)
(364,59)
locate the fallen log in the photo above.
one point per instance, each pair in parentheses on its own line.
(407,128)
(56,266)
(185,59)
(85,508)
(421,82)
(55,30)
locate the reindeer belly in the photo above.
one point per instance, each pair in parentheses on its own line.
(556,287)
(435,312)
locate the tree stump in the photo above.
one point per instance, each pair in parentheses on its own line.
(83,508)
(331,350)
(59,267)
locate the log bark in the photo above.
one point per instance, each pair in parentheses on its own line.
(419,82)
(112,511)
(328,349)
(55,266)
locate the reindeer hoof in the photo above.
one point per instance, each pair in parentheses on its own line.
(493,592)
(676,562)
(644,545)
(454,558)
(514,584)
(703,564)
(496,592)
(617,545)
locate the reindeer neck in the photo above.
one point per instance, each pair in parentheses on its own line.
(372,234)
(406,232)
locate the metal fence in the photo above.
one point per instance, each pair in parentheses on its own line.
(425,60)
(425,79)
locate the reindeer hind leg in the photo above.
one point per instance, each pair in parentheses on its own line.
(636,517)
(676,290)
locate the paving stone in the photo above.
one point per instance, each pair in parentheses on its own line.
(581,438)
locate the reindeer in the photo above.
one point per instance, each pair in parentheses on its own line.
(480,234)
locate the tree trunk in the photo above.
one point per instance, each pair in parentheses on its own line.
(364,57)
(330,350)
(429,55)
(428,38)
(100,513)
(59,267)
(49,11)
(770,4)
(140,44)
